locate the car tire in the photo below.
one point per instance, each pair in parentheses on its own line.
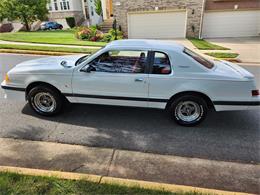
(188,110)
(45,100)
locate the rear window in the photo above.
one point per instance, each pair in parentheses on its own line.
(203,61)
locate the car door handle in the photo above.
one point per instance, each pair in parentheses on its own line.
(139,80)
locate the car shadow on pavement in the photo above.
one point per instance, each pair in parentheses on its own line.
(230,136)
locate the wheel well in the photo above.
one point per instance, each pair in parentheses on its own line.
(34,84)
(194,93)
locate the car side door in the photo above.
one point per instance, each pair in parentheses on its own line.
(161,80)
(116,77)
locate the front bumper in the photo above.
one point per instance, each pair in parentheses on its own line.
(13,93)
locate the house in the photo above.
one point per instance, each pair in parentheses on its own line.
(166,19)
(81,10)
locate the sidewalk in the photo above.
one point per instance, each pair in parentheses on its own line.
(45,44)
(131,165)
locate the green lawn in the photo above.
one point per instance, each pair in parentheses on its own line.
(51,37)
(11,183)
(205,45)
(46,48)
(223,55)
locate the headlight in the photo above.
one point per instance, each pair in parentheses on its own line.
(7,79)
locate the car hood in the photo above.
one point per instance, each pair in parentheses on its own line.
(231,70)
(51,62)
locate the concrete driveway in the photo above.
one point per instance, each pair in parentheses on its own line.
(248,47)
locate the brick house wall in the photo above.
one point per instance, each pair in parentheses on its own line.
(230,4)
(195,9)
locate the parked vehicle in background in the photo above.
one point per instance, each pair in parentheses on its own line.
(51,26)
(139,73)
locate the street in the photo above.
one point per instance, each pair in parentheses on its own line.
(224,136)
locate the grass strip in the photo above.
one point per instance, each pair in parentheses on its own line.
(63,37)
(222,55)
(47,48)
(205,45)
(13,183)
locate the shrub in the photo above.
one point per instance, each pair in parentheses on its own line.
(111,35)
(89,34)
(71,22)
(93,34)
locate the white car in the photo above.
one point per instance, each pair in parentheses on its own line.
(139,73)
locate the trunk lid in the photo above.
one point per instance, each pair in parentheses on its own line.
(232,70)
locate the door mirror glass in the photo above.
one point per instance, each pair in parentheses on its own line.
(88,69)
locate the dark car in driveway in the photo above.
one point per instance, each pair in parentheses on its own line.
(51,26)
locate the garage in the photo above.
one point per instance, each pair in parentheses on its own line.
(157,25)
(231,24)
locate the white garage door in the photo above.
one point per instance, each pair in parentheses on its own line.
(157,25)
(231,24)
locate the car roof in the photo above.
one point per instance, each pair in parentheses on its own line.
(146,43)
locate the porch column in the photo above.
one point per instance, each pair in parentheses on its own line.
(83,9)
(104,9)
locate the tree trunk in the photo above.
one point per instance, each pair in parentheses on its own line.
(26,23)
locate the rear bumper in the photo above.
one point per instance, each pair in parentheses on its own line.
(254,104)
(13,93)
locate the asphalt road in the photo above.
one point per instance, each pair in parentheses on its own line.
(226,136)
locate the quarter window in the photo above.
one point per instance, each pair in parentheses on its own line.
(203,61)
(161,64)
(121,62)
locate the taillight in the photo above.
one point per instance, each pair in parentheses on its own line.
(255,92)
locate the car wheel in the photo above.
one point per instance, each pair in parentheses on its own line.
(188,110)
(45,100)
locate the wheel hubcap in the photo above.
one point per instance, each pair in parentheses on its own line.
(188,111)
(44,102)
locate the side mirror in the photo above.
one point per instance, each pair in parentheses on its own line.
(89,69)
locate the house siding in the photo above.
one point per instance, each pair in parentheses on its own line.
(215,5)
(75,10)
(195,9)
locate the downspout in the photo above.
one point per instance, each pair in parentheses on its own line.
(202,18)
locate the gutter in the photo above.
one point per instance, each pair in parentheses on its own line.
(202,18)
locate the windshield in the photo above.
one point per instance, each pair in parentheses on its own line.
(203,61)
(84,58)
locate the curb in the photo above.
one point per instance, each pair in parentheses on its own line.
(234,60)
(35,52)
(110,180)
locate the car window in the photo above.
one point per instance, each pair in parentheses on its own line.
(121,62)
(161,64)
(203,61)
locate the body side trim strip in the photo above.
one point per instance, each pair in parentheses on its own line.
(13,88)
(115,97)
(236,103)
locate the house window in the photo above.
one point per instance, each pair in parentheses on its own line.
(92,11)
(64,5)
(68,5)
(55,5)
(50,7)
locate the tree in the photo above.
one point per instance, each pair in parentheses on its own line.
(98,6)
(27,11)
